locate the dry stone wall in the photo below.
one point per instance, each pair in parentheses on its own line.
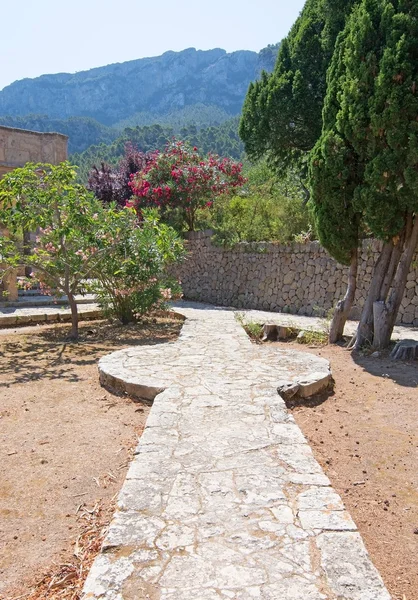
(299,278)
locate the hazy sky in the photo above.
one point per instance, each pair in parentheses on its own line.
(52,36)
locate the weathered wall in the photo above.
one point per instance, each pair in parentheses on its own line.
(18,146)
(299,278)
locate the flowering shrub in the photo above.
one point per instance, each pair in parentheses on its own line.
(181,179)
(133,279)
(81,244)
(111,184)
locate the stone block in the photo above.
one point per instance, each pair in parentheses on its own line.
(288,278)
(408,318)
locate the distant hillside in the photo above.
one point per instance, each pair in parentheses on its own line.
(195,114)
(158,85)
(222,139)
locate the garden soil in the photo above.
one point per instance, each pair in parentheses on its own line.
(365,436)
(65,444)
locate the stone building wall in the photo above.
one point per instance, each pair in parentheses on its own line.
(298,278)
(18,147)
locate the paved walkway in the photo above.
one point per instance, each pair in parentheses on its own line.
(35,300)
(41,309)
(224,499)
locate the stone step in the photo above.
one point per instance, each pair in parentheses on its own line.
(18,317)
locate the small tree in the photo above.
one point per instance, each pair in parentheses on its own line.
(181,179)
(111,184)
(75,233)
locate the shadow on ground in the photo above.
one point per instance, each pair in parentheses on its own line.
(311,402)
(49,354)
(404,373)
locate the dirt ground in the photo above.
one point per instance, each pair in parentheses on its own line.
(365,436)
(65,444)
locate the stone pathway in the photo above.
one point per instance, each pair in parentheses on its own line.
(35,300)
(41,309)
(224,499)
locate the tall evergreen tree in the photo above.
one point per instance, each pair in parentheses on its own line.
(282,112)
(282,119)
(364,166)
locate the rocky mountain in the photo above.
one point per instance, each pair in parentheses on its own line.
(158,86)
(82,131)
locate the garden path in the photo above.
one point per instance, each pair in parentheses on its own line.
(224,499)
(41,309)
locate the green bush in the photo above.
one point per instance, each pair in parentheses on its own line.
(266,209)
(134,279)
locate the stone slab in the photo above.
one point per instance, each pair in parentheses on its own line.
(33,315)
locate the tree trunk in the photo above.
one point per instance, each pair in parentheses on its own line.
(393,265)
(381,325)
(405,350)
(343,307)
(27,250)
(364,332)
(74,316)
(385,313)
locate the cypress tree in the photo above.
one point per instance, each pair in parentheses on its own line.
(364,166)
(282,119)
(281,116)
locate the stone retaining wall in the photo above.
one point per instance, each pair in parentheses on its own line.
(299,278)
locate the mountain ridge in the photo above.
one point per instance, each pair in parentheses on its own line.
(161,84)
(204,88)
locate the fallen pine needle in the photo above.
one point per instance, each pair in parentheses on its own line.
(66,581)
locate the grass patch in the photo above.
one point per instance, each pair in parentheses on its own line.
(311,337)
(253,329)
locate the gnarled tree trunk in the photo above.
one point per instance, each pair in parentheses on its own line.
(364,332)
(387,288)
(386,311)
(343,308)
